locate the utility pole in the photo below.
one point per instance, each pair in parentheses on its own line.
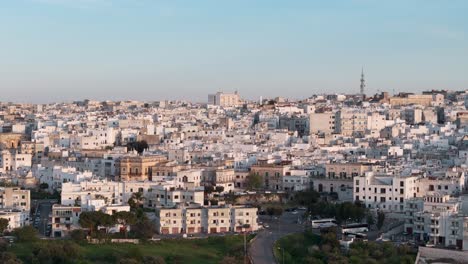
(244,230)
(282,254)
(282,249)
(245,248)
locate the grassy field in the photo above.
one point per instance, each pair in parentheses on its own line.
(197,251)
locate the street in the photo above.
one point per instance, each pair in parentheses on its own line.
(261,249)
(41,217)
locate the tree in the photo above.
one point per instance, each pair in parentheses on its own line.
(153,260)
(125,219)
(219,189)
(53,252)
(3,224)
(274,211)
(136,201)
(209,189)
(370,219)
(229,260)
(44,186)
(78,235)
(143,228)
(128,261)
(380,219)
(139,146)
(306,198)
(254,181)
(93,220)
(9,258)
(26,234)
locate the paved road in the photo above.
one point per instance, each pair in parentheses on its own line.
(261,250)
(43,211)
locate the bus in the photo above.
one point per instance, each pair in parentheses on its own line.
(354,228)
(324,223)
(357,236)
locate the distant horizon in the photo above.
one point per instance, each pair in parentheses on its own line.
(66,50)
(205,100)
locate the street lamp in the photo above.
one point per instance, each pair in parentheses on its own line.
(244,227)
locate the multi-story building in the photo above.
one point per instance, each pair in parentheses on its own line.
(437,219)
(351,122)
(384,192)
(214,219)
(16,218)
(272,174)
(15,198)
(118,193)
(12,160)
(338,178)
(322,123)
(137,168)
(65,218)
(417,99)
(224,99)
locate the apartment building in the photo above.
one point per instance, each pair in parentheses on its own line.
(118,193)
(65,218)
(16,218)
(384,192)
(15,198)
(12,160)
(438,219)
(322,123)
(351,122)
(210,220)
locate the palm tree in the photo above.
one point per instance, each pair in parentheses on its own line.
(136,200)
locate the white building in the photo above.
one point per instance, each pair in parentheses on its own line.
(384,192)
(16,218)
(214,219)
(437,219)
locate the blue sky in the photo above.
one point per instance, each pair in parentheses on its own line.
(62,50)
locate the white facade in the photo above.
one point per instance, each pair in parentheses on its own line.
(384,192)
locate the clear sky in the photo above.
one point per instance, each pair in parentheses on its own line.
(63,50)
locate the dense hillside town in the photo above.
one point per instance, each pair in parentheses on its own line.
(193,168)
